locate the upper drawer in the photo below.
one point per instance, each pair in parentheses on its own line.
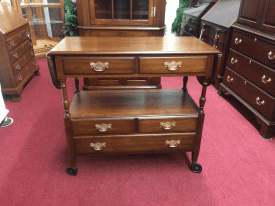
(20,51)
(259,74)
(173,65)
(99,65)
(14,41)
(220,35)
(252,46)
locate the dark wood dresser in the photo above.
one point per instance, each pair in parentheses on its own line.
(250,70)
(116,18)
(17,61)
(132,121)
(216,30)
(191,19)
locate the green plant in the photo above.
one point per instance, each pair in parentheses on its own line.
(71,20)
(176,25)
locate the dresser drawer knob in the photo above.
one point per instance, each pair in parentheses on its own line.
(172,143)
(172,66)
(98,145)
(103,127)
(20,78)
(264,79)
(15,55)
(99,67)
(167,125)
(271,55)
(234,61)
(230,79)
(238,41)
(28,35)
(215,46)
(217,36)
(259,102)
(12,43)
(17,67)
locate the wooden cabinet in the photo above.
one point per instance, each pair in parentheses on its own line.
(132,121)
(17,61)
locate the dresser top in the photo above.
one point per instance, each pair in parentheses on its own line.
(131,45)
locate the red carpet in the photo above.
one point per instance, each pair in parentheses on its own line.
(238,165)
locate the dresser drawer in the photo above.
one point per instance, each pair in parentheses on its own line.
(17,66)
(190,29)
(134,143)
(19,51)
(261,75)
(159,125)
(14,41)
(217,45)
(103,126)
(254,96)
(252,46)
(210,31)
(100,65)
(173,65)
(24,72)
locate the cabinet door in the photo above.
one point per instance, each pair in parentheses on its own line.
(268,17)
(122,12)
(250,12)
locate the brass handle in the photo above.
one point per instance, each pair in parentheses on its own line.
(12,43)
(17,67)
(172,143)
(28,34)
(229,79)
(217,36)
(103,127)
(264,79)
(238,41)
(270,55)
(167,125)
(32,53)
(33,63)
(20,78)
(172,66)
(99,67)
(259,102)
(215,46)
(202,30)
(234,61)
(97,146)
(15,55)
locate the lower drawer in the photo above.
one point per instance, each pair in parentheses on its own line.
(134,143)
(24,72)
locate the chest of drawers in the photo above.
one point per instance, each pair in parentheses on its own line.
(132,121)
(17,61)
(250,74)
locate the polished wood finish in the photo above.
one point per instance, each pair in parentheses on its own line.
(136,121)
(17,63)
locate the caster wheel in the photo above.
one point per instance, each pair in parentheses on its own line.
(71,171)
(266,138)
(196,167)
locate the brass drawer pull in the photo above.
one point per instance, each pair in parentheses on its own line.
(15,55)
(238,41)
(215,46)
(99,67)
(32,53)
(28,34)
(12,43)
(172,143)
(230,79)
(259,102)
(167,125)
(172,66)
(33,63)
(234,61)
(270,55)
(103,127)
(17,67)
(264,79)
(97,146)
(217,36)
(20,78)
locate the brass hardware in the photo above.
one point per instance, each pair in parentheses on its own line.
(97,146)
(255,39)
(172,66)
(103,127)
(30,43)
(33,63)
(270,55)
(215,46)
(259,102)
(17,67)
(234,61)
(20,78)
(172,143)
(238,41)
(28,34)
(202,39)
(32,53)
(250,61)
(167,125)
(12,43)
(245,82)
(217,36)
(202,30)
(190,29)
(20,35)
(99,67)
(264,79)
(15,55)
(229,80)
(153,13)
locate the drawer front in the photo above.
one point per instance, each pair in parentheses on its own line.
(252,46)
(134,143)
(24,72)
(103,126)
(190,29)
(167,125)
(14,41)
(193,22)
(18,66)
(262,76)
(257,98)
(172,65)
(90,65)
(217,45)
(20,51)
(220,35)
